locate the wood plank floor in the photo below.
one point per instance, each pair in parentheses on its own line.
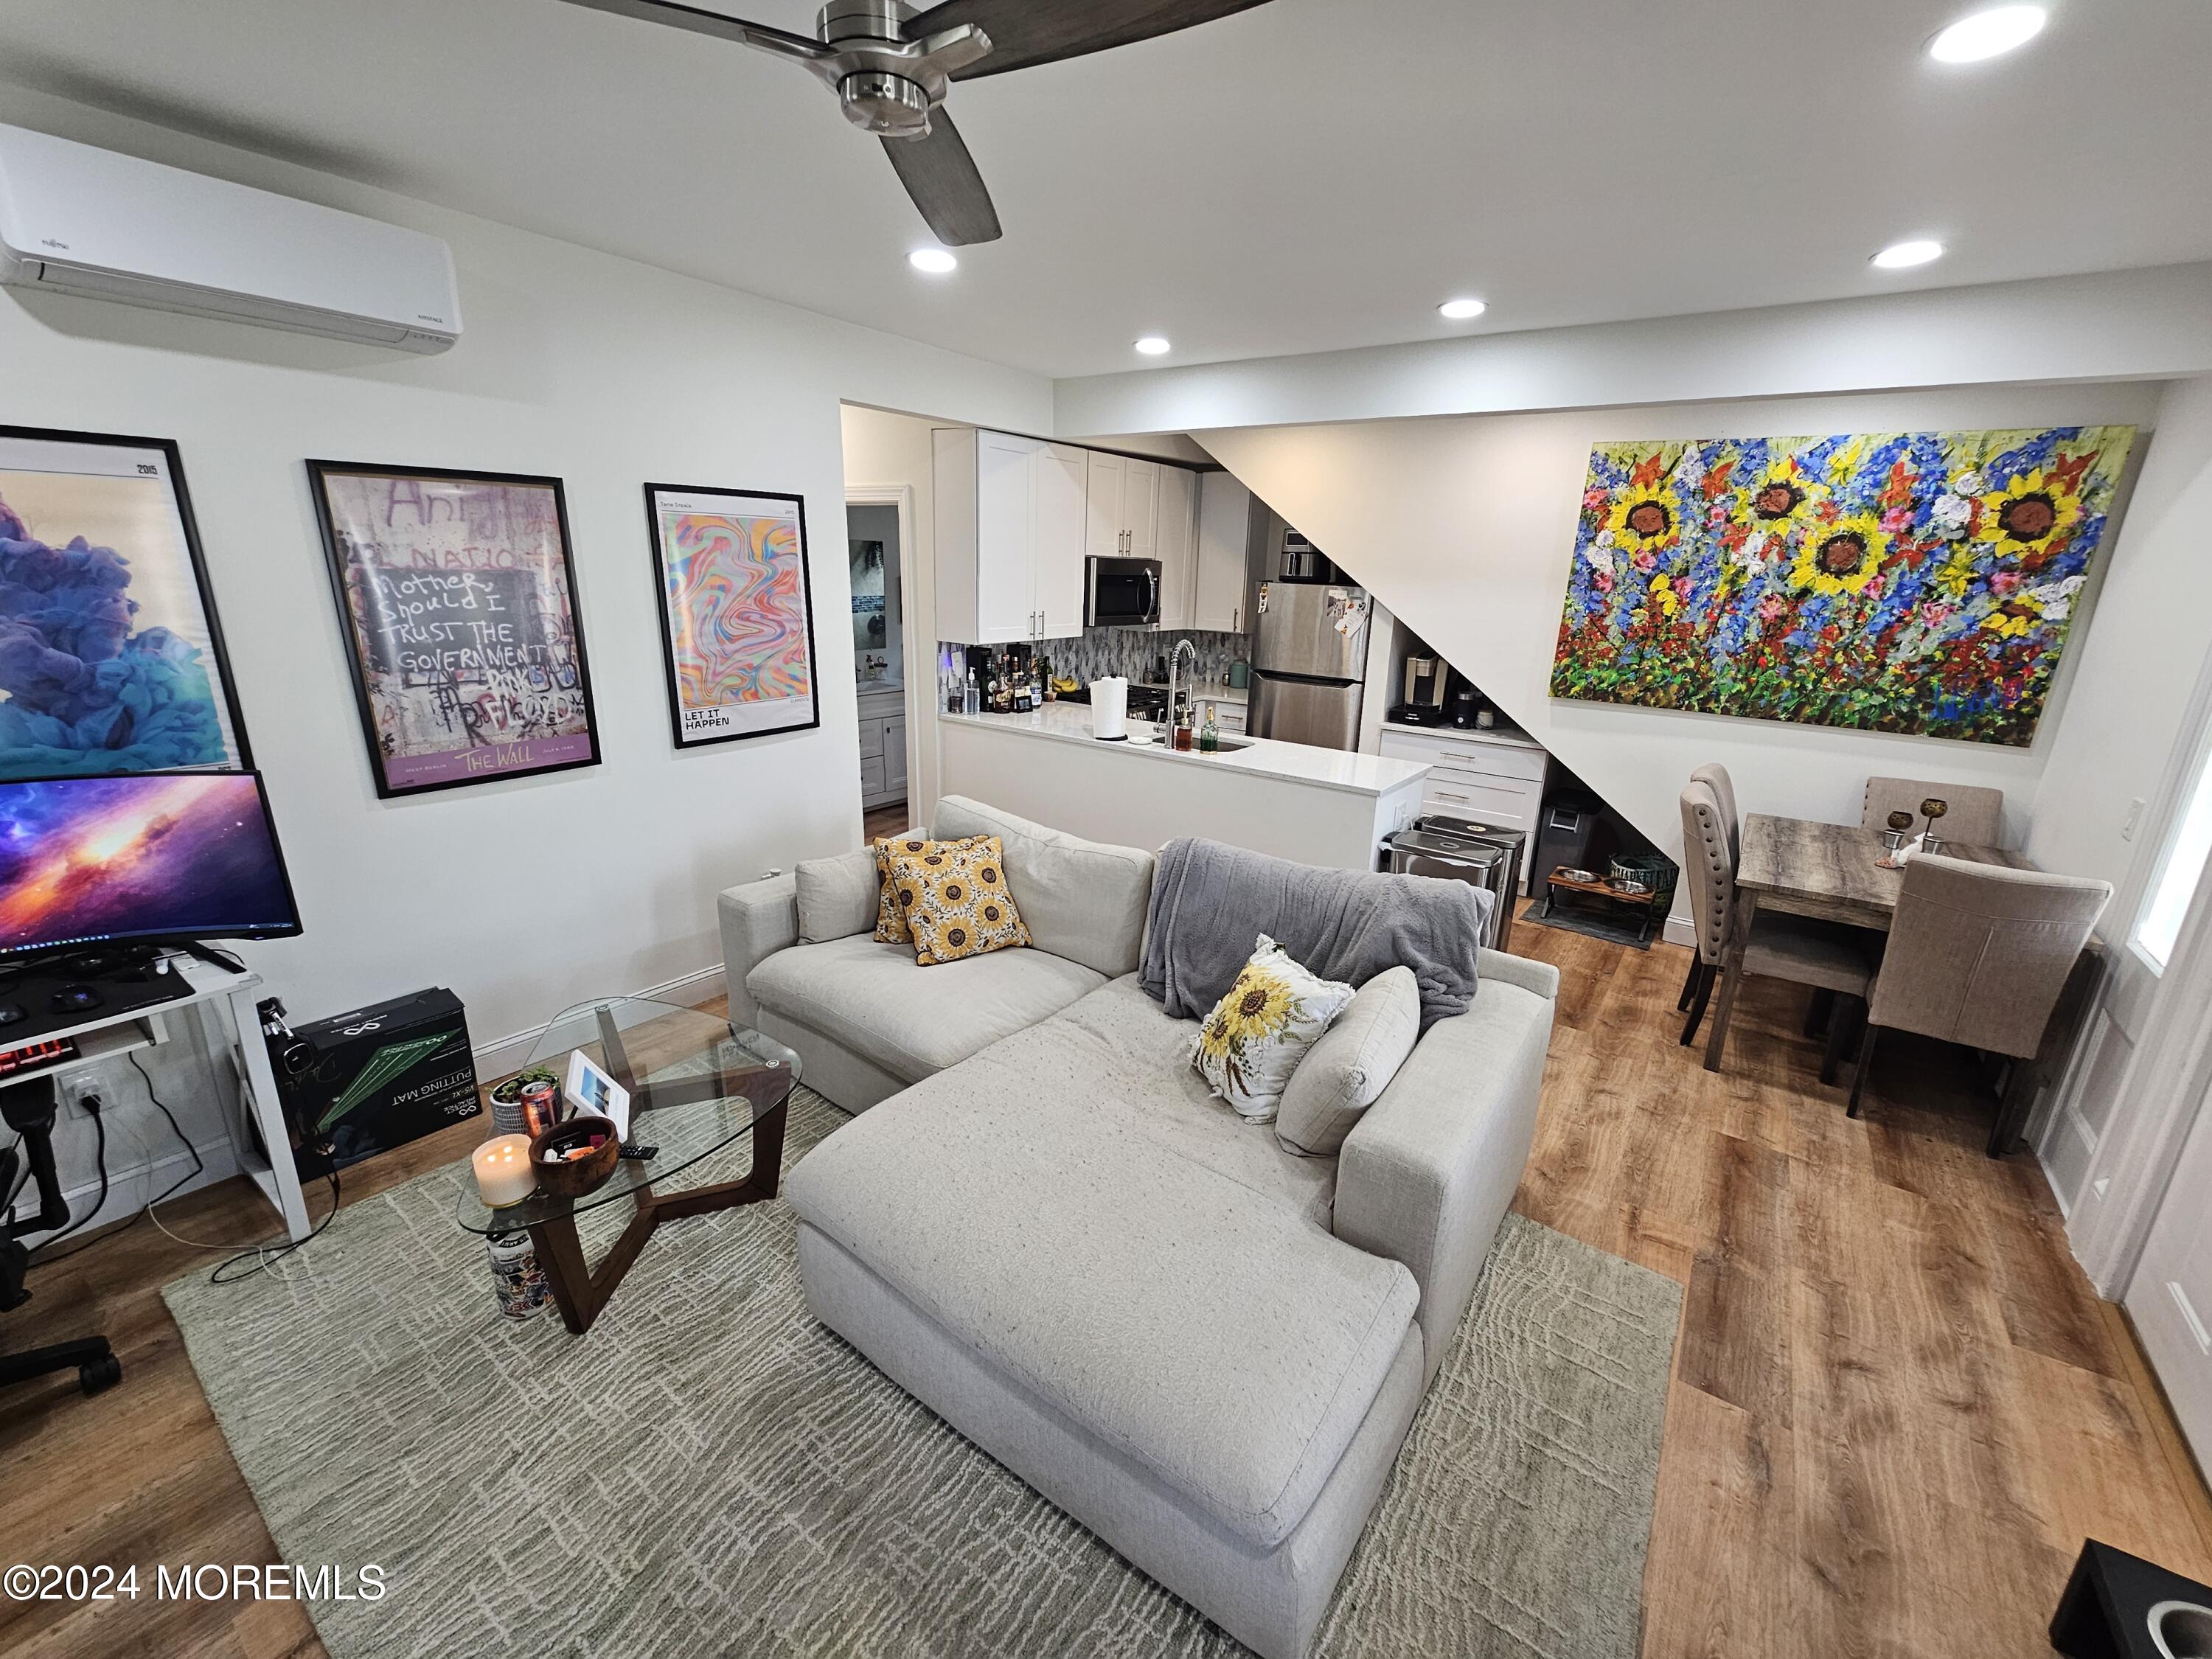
(1897,1408)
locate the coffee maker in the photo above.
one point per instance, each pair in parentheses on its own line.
(1425,681)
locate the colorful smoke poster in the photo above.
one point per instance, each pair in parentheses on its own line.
(459,603)
(111,660)
(737,624)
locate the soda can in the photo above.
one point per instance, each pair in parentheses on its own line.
(540,1106)
(518,1283)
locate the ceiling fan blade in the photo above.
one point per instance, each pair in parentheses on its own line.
(1026,32)
(941,175)
(780,42)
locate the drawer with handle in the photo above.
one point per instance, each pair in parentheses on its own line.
(1484,800)
(1504,760)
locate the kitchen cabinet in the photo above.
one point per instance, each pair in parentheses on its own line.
(882,746)
(1473,775)
(1232,545)
(1123,519)
(1176,544)
(1009,523)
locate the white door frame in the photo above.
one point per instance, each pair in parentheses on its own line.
(901,496)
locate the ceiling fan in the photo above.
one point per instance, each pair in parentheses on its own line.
(890,67)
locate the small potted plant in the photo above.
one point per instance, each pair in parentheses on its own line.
(506,1097)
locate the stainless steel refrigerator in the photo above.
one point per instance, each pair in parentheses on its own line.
(1309,659)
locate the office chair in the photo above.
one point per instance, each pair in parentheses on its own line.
(28,1109)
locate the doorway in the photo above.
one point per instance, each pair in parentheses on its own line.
(875,536)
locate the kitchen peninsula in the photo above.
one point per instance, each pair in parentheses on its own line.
(1322,806)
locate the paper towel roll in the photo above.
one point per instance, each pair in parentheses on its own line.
(1109,708)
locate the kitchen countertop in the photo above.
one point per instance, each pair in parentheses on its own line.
(1297,762)
(1511,737)
(869,688)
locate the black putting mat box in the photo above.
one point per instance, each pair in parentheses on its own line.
(381,1077)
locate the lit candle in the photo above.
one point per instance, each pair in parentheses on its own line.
(503,1173)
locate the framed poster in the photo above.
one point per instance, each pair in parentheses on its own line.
(111,658)
(1922,582)
(458,600)
(737,619)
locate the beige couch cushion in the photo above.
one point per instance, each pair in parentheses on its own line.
(1083,900)
(836,896)
(1216,1338)
(914,1021)
(1354,1061)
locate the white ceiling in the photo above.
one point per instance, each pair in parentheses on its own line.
(1306,176)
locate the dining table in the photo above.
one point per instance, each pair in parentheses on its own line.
(1829,870)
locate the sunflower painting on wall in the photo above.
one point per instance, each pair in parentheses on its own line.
(1898,582)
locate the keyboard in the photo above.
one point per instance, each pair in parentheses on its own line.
(36,1057)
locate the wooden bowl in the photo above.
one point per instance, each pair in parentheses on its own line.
(581,1175)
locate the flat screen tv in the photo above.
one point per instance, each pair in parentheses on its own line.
(174,856)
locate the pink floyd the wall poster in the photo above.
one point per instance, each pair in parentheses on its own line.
(111,660)
(459,599)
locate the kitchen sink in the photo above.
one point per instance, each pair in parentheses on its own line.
(1229,746)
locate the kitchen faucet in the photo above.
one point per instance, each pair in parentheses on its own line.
(1174,663)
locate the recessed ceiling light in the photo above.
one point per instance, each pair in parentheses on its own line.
(1903,256)
(1459,310)
(935,260)
(1988,34)
(1152,345)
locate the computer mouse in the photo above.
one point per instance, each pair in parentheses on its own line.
(71,997)
(13,1013)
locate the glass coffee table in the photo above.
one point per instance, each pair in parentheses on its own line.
(697,1083)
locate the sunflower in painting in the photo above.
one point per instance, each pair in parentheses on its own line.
(1778,501)
(1841,557)
(1646,515)
(2033,515)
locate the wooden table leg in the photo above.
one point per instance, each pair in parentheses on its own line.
(581,1293)
(1731,973)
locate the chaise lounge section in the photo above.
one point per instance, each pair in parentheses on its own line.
(1203,1345)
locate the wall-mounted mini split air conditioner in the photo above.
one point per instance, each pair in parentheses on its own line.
(77,219)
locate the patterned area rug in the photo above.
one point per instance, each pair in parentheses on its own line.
(708,1471)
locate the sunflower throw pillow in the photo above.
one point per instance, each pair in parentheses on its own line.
(891,908)
(1255,1036)
(955,900)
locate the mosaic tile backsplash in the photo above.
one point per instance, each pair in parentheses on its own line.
(1102,650)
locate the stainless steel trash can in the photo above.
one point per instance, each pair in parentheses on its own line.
(1417,852)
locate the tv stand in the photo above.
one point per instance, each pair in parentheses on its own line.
(203,988)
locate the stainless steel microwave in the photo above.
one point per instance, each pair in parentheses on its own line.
(1121,593)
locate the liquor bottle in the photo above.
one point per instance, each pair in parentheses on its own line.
(1209,735)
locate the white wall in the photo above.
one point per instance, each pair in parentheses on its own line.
(1464,527)
(2135,671)
(522,895)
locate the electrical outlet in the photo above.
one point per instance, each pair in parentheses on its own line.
(2134,817)
(76,1086)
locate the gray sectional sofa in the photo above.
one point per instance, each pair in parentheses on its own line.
(1202,1346)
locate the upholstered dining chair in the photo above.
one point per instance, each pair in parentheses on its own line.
(1715,776)
(1978,954)
(1820,954)
(1975,814)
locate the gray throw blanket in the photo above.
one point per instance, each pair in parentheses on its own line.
(1210,902)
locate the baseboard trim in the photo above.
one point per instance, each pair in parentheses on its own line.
(1679,930)
(131,1187)
(509,1054)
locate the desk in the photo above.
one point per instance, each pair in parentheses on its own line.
(1822,870)
(205,990)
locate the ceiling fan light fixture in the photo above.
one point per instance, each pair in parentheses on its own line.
(1903,256)
(1462,309)
(1985,34)
(1154,345)
(933,261)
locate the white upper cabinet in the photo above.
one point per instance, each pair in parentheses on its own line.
(1141,505)
(1016,517)
(1010,524)
(1175,544)
(1224,536)
(1103,537)
(1056,571)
